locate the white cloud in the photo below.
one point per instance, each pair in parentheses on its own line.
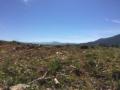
(116,21)
(26,1)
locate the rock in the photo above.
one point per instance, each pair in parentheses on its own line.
(59,53)
(19,87)
(1,88)
(56,81)
(49,89)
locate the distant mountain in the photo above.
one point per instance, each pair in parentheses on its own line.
(110,41)
(55,43)
(50,43)
(115,40)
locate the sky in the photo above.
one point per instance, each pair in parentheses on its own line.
(73,21)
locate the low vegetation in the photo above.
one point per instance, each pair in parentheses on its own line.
(67,67)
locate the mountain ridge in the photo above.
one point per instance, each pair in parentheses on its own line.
(113,40)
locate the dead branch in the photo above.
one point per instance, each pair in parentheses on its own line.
(73,67)
(41,78)
(62,74)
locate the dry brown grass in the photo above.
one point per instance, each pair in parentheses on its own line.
(95,68)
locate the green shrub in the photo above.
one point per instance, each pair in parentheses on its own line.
(11,74)
(90,64)
(93,67)
(55,65)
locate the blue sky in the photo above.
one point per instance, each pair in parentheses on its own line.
(58,20)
